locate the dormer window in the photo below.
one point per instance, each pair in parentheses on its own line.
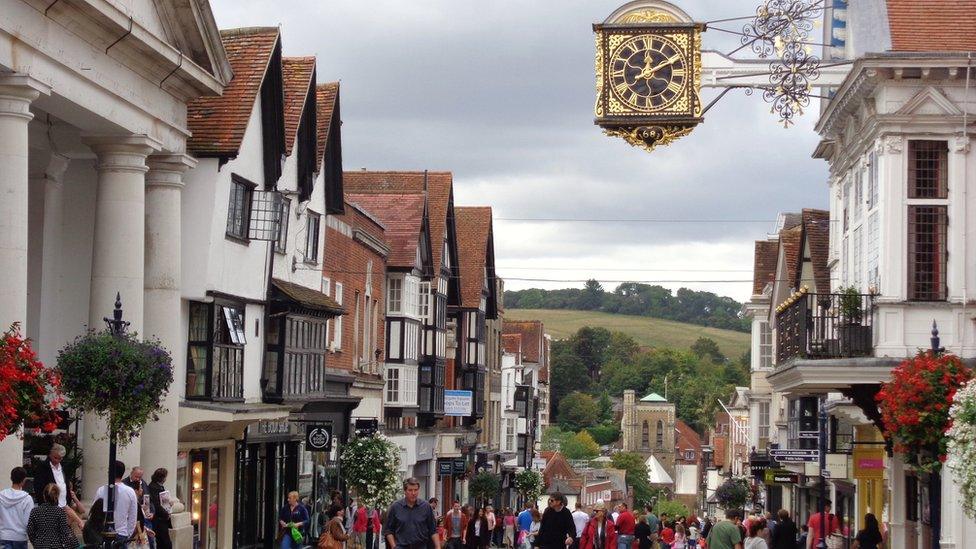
(306,147)
(273,120)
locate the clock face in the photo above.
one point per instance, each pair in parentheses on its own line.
(648,72)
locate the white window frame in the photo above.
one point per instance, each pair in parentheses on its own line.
(425,304)
(337,338)
(765,345)
(394,295)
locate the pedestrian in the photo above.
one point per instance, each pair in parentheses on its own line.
(144,531)
(615,513)
(351,512)
(435,507)
(126,505)
(725,534)
(47,525)
(95,525)
(580,520)
(653,523)
(455,523)
(827,519)
(161,519)
(680,537)
(667,534)
(706,527)
(600,532)
(557,528)
(784,536)
(756,539)
(625,527)
(489,512)
(479,534)
(524,523)
(534,528)
(334,535)
(869,537)
(15,510)
(292,521)
(374,525)
(804,536)
(642,533)
(50,471)
(508,540)
(410,521)
(693,534)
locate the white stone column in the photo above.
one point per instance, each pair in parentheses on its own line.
(118,266)
(164,186)
(50,183)
(16,94)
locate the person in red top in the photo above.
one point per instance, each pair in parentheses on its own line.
(832,525)
(599,532)
(361,523)
(625,527)
(667,534)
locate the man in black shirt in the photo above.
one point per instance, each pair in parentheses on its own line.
(557,528)
(410,521)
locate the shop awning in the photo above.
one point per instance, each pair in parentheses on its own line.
(306,298)
(210,421)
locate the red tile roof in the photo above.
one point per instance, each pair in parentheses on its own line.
(218,123)
(439,187)
(512,343)
(764,268)
(402,215)
(533,337)
(932,25)
(297,75)
(473,233)
(688,438)
(326,97)
(816,233)
(789,241)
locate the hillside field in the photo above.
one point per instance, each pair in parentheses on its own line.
(648,331)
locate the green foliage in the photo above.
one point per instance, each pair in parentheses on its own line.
(707,348)
(528,483)
(580,446)
(605,433)
(577,411)
(370,466)
(591,345)
(605,407)
(633,464)
(733,493)
(850,305)
(701,308)
(553,438)
(120,378)
(484,486)
(672,508)
(568,372)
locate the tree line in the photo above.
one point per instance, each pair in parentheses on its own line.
(631,298)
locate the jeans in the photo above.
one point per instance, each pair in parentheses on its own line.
(4,544)
(625,541)
(288,543)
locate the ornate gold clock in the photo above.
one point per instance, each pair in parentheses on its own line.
(648,65)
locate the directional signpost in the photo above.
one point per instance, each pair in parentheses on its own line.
(793,455)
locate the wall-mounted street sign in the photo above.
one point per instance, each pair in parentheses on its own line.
(814,435)
(457,403)
(794,455)
(781,476)
(318,437)
(869,461)
(445,468)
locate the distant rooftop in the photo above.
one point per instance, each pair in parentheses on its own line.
(654,397)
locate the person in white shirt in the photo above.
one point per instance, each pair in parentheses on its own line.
(580,518)
(126,505)
(51,472)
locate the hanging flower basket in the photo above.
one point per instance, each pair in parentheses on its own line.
(371,467)
(118,377)
(962,445)
(733,493)
(528,483)
(915,407)
(29,392)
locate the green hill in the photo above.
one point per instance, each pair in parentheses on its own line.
(648,331)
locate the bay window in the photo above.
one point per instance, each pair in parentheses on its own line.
(401,385)
(215,351)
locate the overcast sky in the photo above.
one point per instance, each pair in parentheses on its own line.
(501,93)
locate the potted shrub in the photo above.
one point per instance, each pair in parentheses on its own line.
(855,337)
(371,467)
(528,483)
(484,486)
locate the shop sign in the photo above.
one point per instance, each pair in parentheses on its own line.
(781,476)
(271,429)
(836,466)
(318,437)
(445,468)
(868,462)
(460,466)
(425,448)
(457,403)
(758,468)
(366,427)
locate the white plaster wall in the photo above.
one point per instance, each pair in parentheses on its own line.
(198,238)
(291,265)
(143,11)
(370,404)
(686,478)
(253,351)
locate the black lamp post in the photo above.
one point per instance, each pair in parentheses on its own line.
(935,477)
(822,544)
(117,327)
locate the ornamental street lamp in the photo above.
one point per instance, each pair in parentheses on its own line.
(935,477)
(117,327)
(822,544)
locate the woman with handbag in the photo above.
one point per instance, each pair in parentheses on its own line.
(335,534)
(292,521)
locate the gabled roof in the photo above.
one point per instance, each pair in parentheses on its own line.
(512,343)
(764,267)
(473,233)
(439,188)
(218,123)
(326,96)
(403,217)
(654,397)
(297,76)
(932,25)
(532,333)
(687,437)
(656,473)
(789,241)
(816,234)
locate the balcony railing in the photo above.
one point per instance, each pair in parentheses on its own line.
(824,326)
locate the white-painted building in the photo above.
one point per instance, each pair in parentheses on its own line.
(93,126)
